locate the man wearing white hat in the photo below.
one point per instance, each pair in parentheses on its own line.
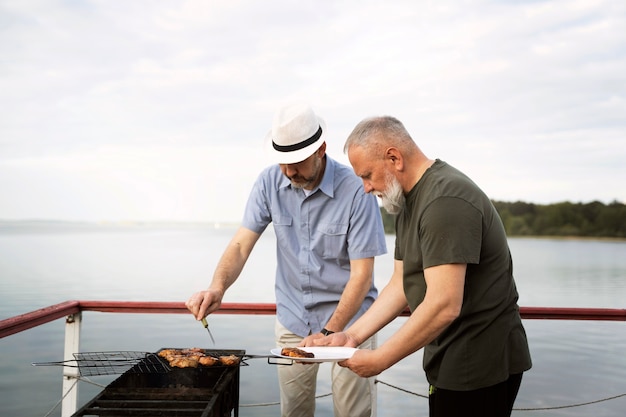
(328,232)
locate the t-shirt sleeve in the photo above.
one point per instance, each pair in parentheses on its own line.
(450,232)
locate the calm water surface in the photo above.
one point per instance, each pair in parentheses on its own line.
(574,362)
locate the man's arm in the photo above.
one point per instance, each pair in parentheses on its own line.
(387,306)
(441,306)
(227,271)
(361,276)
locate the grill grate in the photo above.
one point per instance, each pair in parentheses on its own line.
(117,362)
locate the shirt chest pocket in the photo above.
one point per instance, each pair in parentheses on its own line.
(332,240)
(284,230)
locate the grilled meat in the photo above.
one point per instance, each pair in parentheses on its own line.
(294,352)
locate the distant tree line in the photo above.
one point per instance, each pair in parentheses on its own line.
(593,219)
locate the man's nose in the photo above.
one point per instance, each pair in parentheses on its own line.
(290,170)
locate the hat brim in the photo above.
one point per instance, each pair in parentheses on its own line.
(294,157)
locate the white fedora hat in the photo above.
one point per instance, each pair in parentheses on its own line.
(297,132)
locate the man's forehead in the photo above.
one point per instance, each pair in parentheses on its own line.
(361,162)
(355,153)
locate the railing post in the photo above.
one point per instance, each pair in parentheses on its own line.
(69,401)
(374,385)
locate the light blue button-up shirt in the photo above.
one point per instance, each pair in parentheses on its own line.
(316,237)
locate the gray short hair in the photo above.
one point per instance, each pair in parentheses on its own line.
(378,131)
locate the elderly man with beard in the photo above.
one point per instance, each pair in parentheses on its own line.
(328,231)
(453,269)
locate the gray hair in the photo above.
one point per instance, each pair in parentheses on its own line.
(380,131)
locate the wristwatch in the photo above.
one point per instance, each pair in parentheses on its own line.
(326,332)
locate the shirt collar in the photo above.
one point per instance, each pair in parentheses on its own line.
(327,184)
(328,180)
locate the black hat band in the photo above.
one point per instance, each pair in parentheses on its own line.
(298,146)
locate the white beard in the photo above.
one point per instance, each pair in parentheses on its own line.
(393,198)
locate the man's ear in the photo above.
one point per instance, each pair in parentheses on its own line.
(393,155)
(321,151)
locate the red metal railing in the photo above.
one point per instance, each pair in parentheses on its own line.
(71,311)
(47,314)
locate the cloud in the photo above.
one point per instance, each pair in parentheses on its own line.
(527,97)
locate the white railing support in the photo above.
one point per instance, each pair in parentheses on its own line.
(69,402)
(375,388)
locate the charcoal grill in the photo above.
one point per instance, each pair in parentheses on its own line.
(210,391)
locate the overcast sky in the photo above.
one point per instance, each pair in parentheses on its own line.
(157,110)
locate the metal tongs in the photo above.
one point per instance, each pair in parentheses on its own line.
(206,326)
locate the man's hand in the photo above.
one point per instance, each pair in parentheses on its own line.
(335,339)
(203,303)
(364,363)
(310,340)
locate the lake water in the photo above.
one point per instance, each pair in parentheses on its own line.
(575,362)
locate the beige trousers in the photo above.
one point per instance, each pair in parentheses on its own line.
(352,395)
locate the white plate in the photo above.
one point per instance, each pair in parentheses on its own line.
(322,353)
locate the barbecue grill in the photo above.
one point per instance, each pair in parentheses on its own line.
(146,390)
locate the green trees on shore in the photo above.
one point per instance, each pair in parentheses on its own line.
(594,219)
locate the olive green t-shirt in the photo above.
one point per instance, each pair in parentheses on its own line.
(449,220)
